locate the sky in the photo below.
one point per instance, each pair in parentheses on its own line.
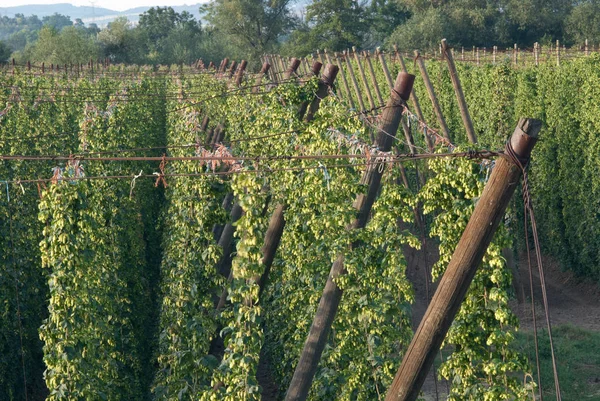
(119,5)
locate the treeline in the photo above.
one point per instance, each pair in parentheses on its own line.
(247,29)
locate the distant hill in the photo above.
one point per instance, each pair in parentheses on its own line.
(88,14)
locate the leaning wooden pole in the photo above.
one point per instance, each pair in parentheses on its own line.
(467,257)
(460,96)
(264,71)
(277,221)
(332,294)
(431,92)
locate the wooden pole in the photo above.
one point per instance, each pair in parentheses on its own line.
(332,294)
(414,100)
(361,103)
(320,57)
(240,72)
(325,84)
(460,97)
(327,58)
(294,64)
(587,50)
(277,221)
(557,53)
(344,81)
(436,106)
(469,252)
(477,57)
(373,78)
(363,77)
(263,72)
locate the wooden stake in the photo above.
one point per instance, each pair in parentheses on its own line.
(332,294)
(494,51)
(291,70)
(460,97)
(373,78)
(327,58)
(240,73)
(436,106)
(263,71)
(325,84)
(587,50)
(363,77)
(277,221)
(361,103)
(415,103)
(558,53)
(515,60)
(536,53)
(348,94)
(455,282)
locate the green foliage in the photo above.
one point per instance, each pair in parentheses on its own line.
(254,26)
(70,46)
(562,177)
(5,52)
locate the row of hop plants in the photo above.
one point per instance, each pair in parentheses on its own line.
(132,275)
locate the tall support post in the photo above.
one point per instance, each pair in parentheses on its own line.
(240,72)
(291,70)
(361,103)
(325,84)
(263,72)
(587,49)
(558,53)
(344,81)
(414,100)
(320,57)
(469,252)
(460,97)
(536,53)
(332,294)
(327,57)
(477,56)
(373,78)
(363,77)
(494,50)
(462,53)
(436,106)
(315,70)
(277,221)
(226,239)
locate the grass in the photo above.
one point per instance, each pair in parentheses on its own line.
(578,358)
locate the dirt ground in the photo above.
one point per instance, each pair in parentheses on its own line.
(570,301)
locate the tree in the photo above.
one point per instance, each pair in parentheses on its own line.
(331,24)
(5,52)
(57,21)
(584,23)
(253,26)
(170,37)
(121,43)
(71,45)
